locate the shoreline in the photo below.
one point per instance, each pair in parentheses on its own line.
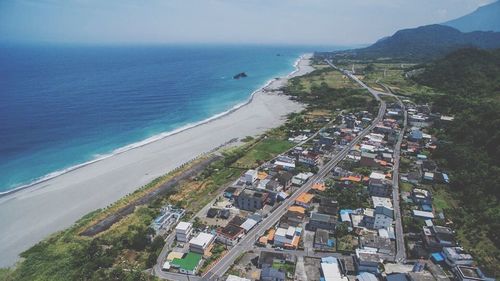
(163,135)
(31,213)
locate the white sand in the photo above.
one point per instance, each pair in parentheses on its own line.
(29,215)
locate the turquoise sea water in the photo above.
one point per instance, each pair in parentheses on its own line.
(62,106)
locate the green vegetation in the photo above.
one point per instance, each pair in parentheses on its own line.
(469,80)
(263,151)
(329,90)
(287,267)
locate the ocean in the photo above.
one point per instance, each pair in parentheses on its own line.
(63,106)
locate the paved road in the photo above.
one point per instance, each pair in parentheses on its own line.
(246,243)
(400,242)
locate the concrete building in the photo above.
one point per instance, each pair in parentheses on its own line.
(383,217)
(183,231)
(251,200)
(456,256)
(321,221)
(201,242)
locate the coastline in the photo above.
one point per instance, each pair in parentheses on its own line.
(31,212)
(272,84)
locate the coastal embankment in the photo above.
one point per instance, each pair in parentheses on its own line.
(33,213)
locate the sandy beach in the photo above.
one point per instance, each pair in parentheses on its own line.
(29,215)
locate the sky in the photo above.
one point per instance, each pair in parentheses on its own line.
(298,22)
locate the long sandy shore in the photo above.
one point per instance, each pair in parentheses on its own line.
(31,214)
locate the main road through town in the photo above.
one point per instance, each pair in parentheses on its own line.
(247,242)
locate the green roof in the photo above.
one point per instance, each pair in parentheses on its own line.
(188,262)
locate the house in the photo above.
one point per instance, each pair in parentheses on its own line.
(365,276)
(301,178)
(321,221)
(248,224)
(330,269)
(212,212)
(295,215)
(183,231)
(309,158)
(272,274)
(426,215)
(285,179)
(328,206)
(266,258)
(284,162)
(428,177)
(189,264)
(304,199)
(384,247)
(382,201)
(251,200)
(421,196)
(229,192)
(437,237)
(322,240)
(224,214)
(468,273)
(230,234)
(383,217)
(287,237)
(250,176)
(379,187)
(367,261)
(274,185)
(201,242)
(368,159)
(415,135)
(456,256)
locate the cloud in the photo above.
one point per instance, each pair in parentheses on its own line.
(220,21)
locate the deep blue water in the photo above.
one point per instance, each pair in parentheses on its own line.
(64,105)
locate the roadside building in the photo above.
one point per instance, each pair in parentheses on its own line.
(201,243)
(251,200)
(383,217)
(230,234)
(304,199)
(183,231)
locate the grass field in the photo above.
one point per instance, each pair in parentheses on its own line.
(263,151)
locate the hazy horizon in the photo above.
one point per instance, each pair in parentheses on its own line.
(293,22)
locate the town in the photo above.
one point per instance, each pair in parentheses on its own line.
(350,201)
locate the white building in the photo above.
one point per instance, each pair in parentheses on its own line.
(330,270)
(250,176)
(201,242)
(183,231)
(457,256)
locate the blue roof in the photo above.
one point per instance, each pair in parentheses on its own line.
(346,211)
(438,257)
(426,207)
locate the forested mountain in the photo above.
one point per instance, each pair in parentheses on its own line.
(486,18)
(424,43)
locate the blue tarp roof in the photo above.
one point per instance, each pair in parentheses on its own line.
(427,208)
(438,257)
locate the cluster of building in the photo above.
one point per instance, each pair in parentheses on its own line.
(435,239)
